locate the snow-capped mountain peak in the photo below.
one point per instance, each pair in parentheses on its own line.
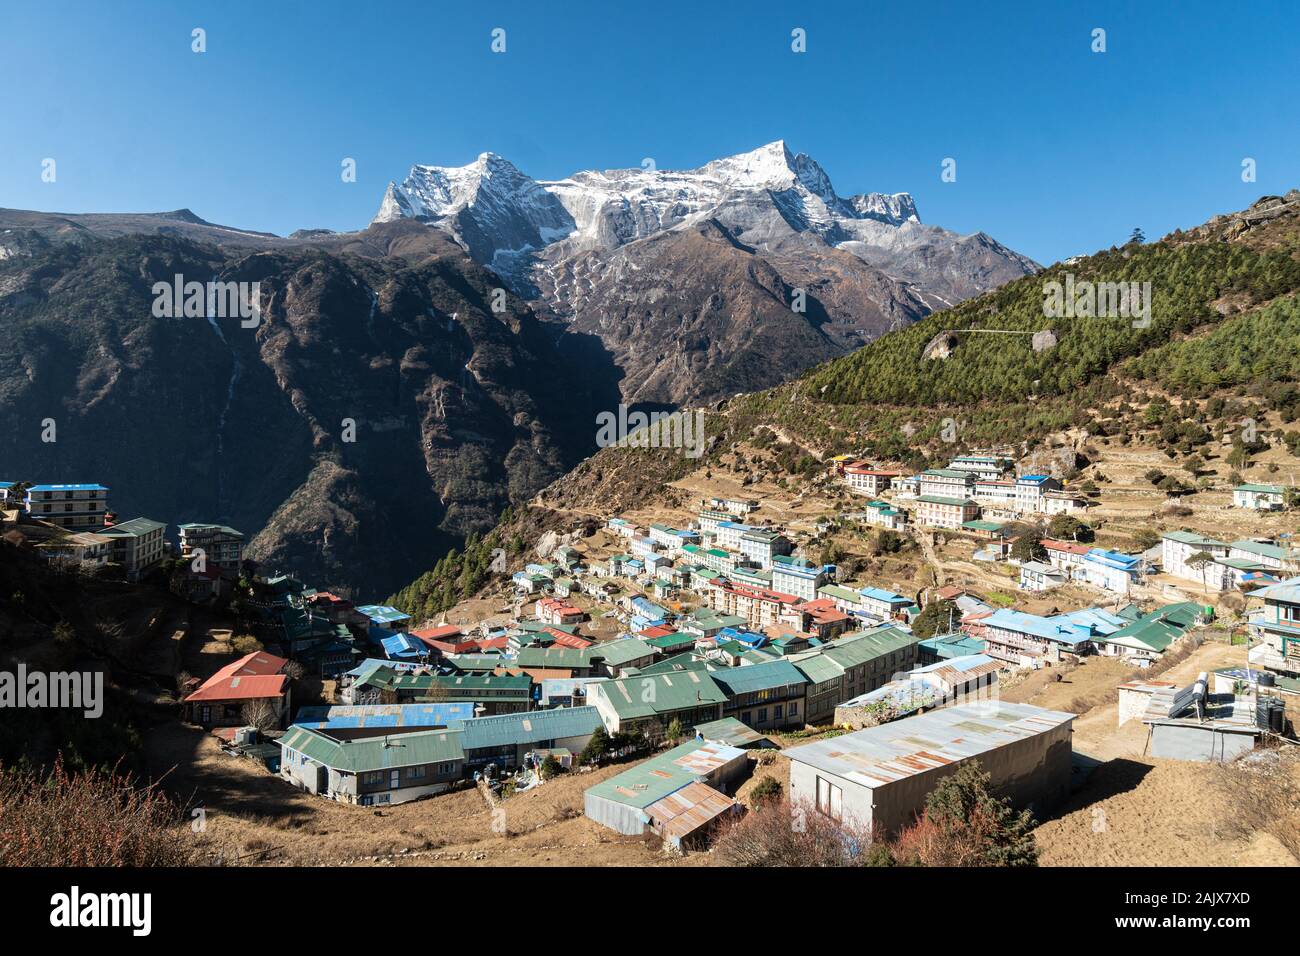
(769,199)
(495,210)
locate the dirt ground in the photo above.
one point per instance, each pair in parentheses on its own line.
(253,817)
(1136,810)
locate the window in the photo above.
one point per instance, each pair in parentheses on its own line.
(829,799)
(417,773)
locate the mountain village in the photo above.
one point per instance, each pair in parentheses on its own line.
(676,660)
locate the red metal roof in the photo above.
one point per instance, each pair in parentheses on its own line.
(253,675)
(242,688)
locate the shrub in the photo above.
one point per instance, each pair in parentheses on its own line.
(88,818)
(778,833)
(964,824)
(769,788)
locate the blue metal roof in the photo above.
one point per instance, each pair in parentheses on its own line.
(67,488)
(385,715)
(880,594)
(748,638)
(1076,627)
(1114,559)
(402,646)
(382,613)
(1287,591)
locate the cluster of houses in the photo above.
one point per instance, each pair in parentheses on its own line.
(1226,565)
(727,635)
(77,530)
(973,493)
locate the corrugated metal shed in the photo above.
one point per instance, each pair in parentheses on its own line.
(893,751)
(731,732)
(657,777)
(688,810)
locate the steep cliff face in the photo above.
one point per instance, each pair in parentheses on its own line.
(378,412)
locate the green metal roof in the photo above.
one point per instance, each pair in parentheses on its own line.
(860,648)
(942,500)
(982,525)
(674,664)
(674,641)
(819,668)
(1191,537)
(570,657)
(650,694)
(616,653)
(844,594)
(1263,549)
(375,753)
(530,727)
(1157,630)
(755,677)
(659,776)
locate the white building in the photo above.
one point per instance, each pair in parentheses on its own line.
(982,466)
(996,492)
(946,483)
(75,507)
(865,480)
(1178,547)
(1030,490)
(799,576)
(1036,576)
(761,546)
(1259,497)
(137,545)
(1062,503)
(937,511)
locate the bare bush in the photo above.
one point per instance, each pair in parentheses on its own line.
(260,713)
(88,818)
(779,833)
(1263,790)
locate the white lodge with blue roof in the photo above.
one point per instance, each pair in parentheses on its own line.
(77,507)
(1029,640)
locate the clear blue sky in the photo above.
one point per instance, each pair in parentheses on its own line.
(1059,150)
